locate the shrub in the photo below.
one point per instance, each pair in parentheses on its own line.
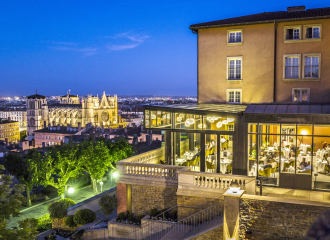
(67,202)
(69,222)
(122,216)
(153,212)
(44,223)
(131,217)
(138,219)
(108,204)
(84,216)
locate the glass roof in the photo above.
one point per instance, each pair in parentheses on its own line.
(212,107)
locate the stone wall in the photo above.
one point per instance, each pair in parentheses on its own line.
(269,218)
(144,198)
(191,205)
(214,234)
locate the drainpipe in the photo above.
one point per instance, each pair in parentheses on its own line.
(275,38)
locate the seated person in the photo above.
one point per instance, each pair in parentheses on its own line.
(268,165)
(324,145)
(303,164)
(308,167)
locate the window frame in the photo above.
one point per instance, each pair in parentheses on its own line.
(228,36)
(292,27)
(301,89)
(303,64)
(312,26)
(234,89)
(228,65)
(284,65)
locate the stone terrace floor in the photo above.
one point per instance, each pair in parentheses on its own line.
(317,196)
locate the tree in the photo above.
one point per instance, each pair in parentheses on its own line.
(119,150)
(69,222)
(29,169)
(108,204)
(94,158)
(10,202)
(57,210)
(63,164)
(23,135)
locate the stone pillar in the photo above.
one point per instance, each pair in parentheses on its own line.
(231,214)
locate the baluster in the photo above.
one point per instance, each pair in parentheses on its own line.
(222,183)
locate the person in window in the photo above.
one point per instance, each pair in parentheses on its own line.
(307,168)
(223,143)
(303,164)
(268,165)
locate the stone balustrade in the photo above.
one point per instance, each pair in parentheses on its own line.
(153,156)
(143,169)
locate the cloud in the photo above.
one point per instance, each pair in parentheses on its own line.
(64,43)
(135,40)
(69,46)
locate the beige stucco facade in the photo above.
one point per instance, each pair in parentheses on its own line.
(319,90)
(257,54)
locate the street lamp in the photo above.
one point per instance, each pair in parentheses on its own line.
(101,184)
(70,190)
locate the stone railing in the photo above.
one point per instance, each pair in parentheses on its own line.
(143,169)
(152,156)
(189,180)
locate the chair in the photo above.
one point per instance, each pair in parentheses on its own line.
(192,163)
(209,165)
(229,168)
(207,152)
(266,172)
(273,170)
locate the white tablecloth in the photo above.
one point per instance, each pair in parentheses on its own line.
(286,152)
(189,155)
(300,158)
(224,163)
(254,169)
(304,147)
(320,165)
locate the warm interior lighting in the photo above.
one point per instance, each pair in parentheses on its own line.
(201,125)
(230,119)
(212,119)
(304,132)
(219,124)
(225,122)
(189,121)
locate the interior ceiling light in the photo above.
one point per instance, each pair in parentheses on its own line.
(201,125)
(230,119)
(212,119)
(225,122)
(153,116)
(189,121)
(219,124)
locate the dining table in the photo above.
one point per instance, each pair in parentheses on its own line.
(224,162)
(304,147)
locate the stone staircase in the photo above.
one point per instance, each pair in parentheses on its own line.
(193,225)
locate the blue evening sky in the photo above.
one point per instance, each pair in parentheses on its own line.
(121,47)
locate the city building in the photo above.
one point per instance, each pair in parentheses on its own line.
(71,111)
(9,131)
(54,135)
(15,115)
(263,112)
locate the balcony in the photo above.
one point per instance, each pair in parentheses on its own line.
(145,169)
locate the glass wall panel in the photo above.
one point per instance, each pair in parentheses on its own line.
(269,128)
(187,121)
(187,149)
(153,119)
(289,129)
(304,130)
(252,158)
(321,162)
(164,119)
(288,153)
(226,154)
(211,152)
(304,154)
(269,150)
(252,128)
(147,118)
(323,130)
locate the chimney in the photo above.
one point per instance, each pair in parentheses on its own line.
(296,8)
(79,126)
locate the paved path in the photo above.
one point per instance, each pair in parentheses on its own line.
(41,208)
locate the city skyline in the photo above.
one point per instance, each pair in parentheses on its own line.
(125,48)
